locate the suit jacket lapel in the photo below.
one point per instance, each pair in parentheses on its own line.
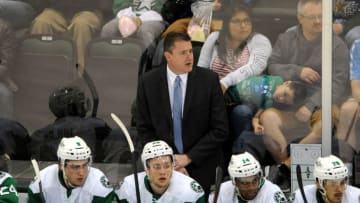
(165,94)
(189,92)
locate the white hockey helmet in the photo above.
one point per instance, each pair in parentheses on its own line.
(329,168)
(73,148)
(243,165)
(156,149)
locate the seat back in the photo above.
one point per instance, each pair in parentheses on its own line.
(44,62)
(113,64)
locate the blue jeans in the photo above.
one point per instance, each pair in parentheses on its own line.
(18,13)
(241,118)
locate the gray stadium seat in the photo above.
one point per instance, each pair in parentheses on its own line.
(113,64)
(44,62)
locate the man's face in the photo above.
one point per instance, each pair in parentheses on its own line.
(248,187)
(283,94)
(311,18)
(160,171)
(335,190)
(76,171)
(180,60)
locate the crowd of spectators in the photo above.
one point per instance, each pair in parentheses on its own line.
(244,94)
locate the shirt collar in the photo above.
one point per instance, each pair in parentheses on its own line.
(172,76)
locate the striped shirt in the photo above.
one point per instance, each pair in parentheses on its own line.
(234,62)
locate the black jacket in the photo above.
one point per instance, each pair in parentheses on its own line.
(205,124)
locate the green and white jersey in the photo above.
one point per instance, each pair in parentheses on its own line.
(8,191)
(352,195)
(268,193)
(182,189)
(256,90)
(96,188)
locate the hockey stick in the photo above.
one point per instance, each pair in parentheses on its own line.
(300,183)
(90,83)
(218,180)
(132,150)
(37,174)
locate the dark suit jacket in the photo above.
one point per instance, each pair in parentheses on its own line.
(205,124)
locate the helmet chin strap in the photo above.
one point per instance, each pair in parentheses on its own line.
(323,191)
(66,180)
(323,194)
(239,194)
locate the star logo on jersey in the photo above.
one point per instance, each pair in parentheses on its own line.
(196,187)
(144,5)
(105,182)
(279,197)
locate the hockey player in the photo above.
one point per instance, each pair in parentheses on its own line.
(8,191)
(159,183)
(69,104)
(247,183)
(331,186)
(72,179)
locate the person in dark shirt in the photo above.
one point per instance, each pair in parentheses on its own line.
(68,104)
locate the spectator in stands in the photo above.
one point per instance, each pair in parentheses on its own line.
(72,179)
(347,20)
(297,56)
(80,17)
(17,12)
(347,130)
(173,10)
(248,183)
(179,19)
(331,183)
(7,85)
(69,105)
(159,182)
(184,106)
(258,93)
(146,23)
(236,53)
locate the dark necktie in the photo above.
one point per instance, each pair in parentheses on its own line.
(177,115)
